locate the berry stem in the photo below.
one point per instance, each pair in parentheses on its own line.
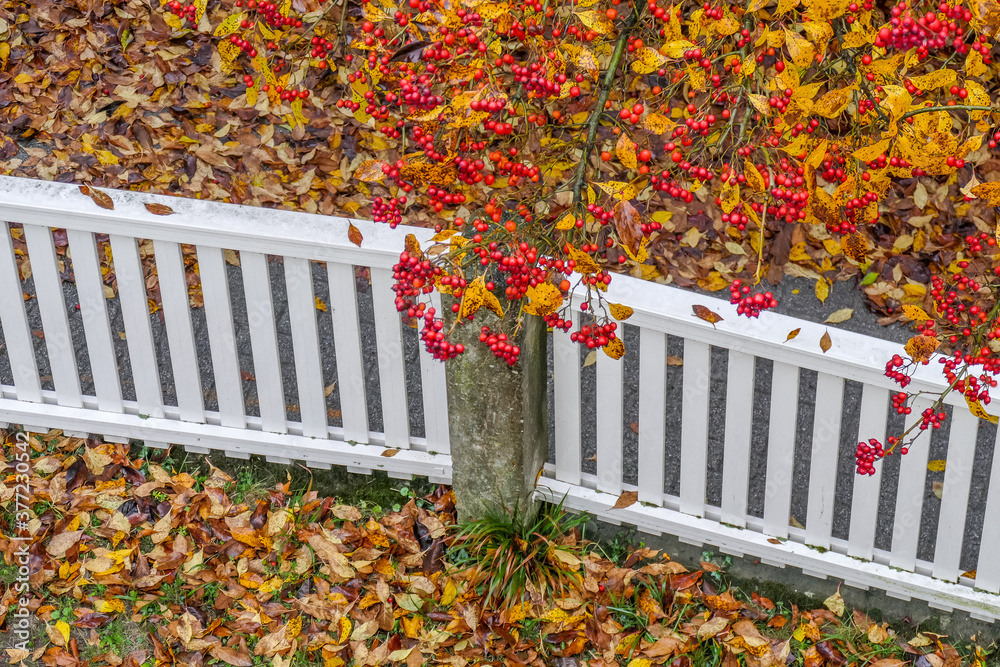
(595,117)
(954,107)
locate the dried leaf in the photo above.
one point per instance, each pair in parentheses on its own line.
(838,316)
(626,499)
(159,209)
(354,234)
(706,314)
(920,348)
(825,342)
(835,603)
(100,198)
(938,465)
(620,312)
(792,334)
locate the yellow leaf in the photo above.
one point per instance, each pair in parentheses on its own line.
(935,79)
(23,77)
(988,191)
(475,296)
(869,153)
(596,21)
(615,348)
(920,348)
(753,176)
(649,60)
(657,123)
(199,9)
(792,334)
(835,603)
(819,32)
(833,103)
(543,299)
(978,410)
(855,39)
(799,48)
(620,312)
(760,103)
(63,628)
(915,313)
(824,10)
(936,466)
(568,221)
(449,594)
(676,48)
(730,196)
(252,95)
(345,629)
(625,149)
(618,189)
(974,65)
(822,289)
(584,263)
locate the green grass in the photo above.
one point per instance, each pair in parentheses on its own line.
(121,636)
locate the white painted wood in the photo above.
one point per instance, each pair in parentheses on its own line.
(221,336)
(910,495)
(652,414)
(609,424)
(865,501)
(955,494)
(694,426)
(823,460)
(180,332)
(391,371)
(739,418)
(263,340)
(14,319)
(347,340)
(988,567)
(434,389)
(790,553)
(305,343)
(96,325)
(566,390)
(781,448)
(55,321)
(138,333)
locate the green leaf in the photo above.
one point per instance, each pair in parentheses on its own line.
(869,278)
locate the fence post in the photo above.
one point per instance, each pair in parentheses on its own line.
(498,421)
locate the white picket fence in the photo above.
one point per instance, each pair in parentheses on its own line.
(305,244)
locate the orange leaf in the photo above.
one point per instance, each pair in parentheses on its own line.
(626,499)
(825,341)
(99,198)
(354,234)
(792,334)
(920,348)
(159,209)
(706,314)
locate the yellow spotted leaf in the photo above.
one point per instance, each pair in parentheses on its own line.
(568,221)
(543,299)
(649,60)
(369,170)
(977,409)
(615,348)
(753,176)
(618,189)
(473,298)
(834,102)
(657,123)
(822,289)
(705,313)
(596,21)
(915,313)
(937,465)
(988,191)
(855,246)
(620,312)
(730,196)
(869,153)
(345,629)
(584,263)
(920,348)
(625,149)
(800,49)
(974,65)
(760,103)
(676,48)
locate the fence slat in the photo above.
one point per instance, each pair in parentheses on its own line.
(180,331)
(781,448)
(305,343)
(221,336)
(55,322)
(566,378)
(652,418)
(910,496)
(955,494)
(96,325)
(434,387)
(988,566)
(391,371)
(609,424)
(736,458)
(864,503)
(263,341)
(823,462)
(694,426)
(347,343)
(138,332)
(14,319)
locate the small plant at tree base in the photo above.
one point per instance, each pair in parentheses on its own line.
(514,558)
(550,146)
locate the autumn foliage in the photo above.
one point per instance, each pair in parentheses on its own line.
(555,144)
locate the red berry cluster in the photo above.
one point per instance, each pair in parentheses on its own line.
(933,30)
(388,211)
(187,12)
(929,418)
(852,208)
(899,403)
(439,198)
(790,191)
(497,342)
(595,336)
(523,273)
(749,304)
(434,339)
(899,371)
(866,454)
(413,277)
(555,321)
(975,387)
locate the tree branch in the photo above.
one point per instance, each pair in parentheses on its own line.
(605,90)
(954,107)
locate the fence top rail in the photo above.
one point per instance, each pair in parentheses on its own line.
(279,232)
(851,355)
(195,221)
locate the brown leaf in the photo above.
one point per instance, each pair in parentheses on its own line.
(161,209)
(626,499)
(792,334)
(627,224)
(100,198)
(354,234)
(675,361)
(388,453)
(706,314)
(825,341)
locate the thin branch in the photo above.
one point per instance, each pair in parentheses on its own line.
(954,107)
